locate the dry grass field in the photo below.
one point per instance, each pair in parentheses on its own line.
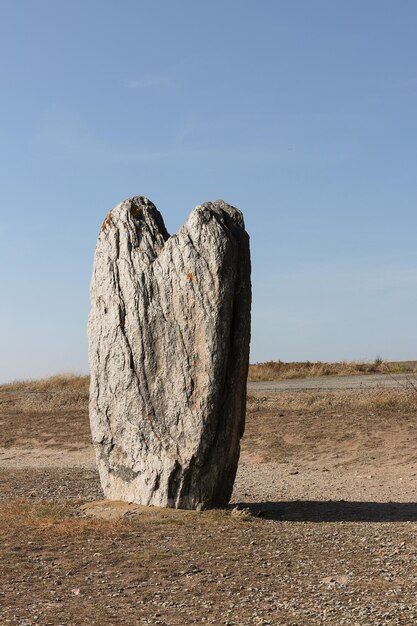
(278,370)
(321,529)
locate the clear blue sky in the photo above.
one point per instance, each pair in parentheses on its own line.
(301,113)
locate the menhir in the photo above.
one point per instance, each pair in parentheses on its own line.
(169,333)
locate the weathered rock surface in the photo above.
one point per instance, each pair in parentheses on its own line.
(168,347)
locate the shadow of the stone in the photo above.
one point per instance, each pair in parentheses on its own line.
(333,511)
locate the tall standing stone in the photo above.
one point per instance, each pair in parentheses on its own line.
(169,332)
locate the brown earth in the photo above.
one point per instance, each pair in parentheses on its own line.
(322,529)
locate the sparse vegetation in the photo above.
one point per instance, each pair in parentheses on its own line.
(65,516)
(70,391)
(279,370)
(73,383)
(46,394)
(401,398)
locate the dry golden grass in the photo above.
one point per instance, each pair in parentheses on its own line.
(54,518)
(46,394)
(70,391)
(77,385)
(61,383)
(278,370)
(65,517)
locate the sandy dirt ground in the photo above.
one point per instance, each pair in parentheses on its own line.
(321,528)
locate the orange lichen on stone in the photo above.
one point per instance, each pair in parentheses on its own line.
(190,276)
(106,223)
